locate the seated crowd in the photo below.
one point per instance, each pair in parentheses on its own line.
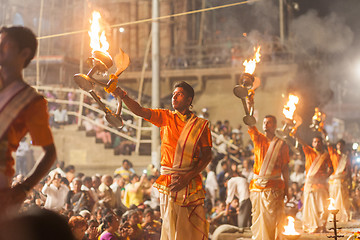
(126,206)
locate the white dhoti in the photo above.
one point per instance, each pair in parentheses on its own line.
(338,190)
(267,214)
(182,223)
(315,209)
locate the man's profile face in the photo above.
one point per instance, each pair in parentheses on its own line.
(269,125)
(180,100)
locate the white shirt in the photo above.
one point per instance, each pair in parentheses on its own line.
(211,183)
(60,115)
(56,197)
(298,177)
(239,187)
(154,198)
(248,174)
(222,146)
(22,149)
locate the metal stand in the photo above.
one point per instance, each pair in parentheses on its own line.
(101,62)
(242,91)
(336,236)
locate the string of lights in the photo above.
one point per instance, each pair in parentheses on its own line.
(152,19)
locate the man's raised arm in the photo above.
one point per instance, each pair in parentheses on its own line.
(132,104)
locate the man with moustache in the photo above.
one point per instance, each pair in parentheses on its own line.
(185,152)
(318,168)
(270,182)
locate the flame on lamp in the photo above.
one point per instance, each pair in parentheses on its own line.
(332,204)
(290,106)
(319,116)
(98,41)
(290,228)
(251,64)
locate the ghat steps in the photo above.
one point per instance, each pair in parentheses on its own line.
(74,147)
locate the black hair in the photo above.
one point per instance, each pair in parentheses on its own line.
(108,219)
(65,181)
(69,168)
(224,163)
(187,88)
(131,213)
(132,176)
(87,179)
(80,175)
(24,38)
(36,224)
(341,141)
(148,210)
(318,136)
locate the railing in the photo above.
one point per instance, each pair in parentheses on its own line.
(81,105)
(228,143)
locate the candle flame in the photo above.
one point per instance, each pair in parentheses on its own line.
(98,40)
(251,64)
(290,228)
(290,106)
(332,204)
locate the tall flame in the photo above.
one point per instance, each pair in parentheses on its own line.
(98,41)
(290,106)
(251,64)
(290,228)
(332,204)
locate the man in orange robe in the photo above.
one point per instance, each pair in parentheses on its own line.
(340,180)
(318,168)
(22,111)
(185,152)
(268,188)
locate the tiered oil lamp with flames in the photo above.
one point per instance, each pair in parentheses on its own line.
(100,62)
(245,89)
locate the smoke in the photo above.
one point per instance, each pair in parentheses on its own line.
(266,16)
(320,45)
(328,35)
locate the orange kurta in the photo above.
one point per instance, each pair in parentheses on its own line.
(33,119)
(170,129)
(261,146)
(335,159)
(310,155)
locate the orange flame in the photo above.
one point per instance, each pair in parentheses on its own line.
(332,204)
(319,116)
(290,106)
(251,64)
(290,228)
(98,41)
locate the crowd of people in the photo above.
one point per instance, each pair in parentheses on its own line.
(90,202)
(240,185)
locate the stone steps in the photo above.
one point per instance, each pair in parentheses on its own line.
(74,147)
